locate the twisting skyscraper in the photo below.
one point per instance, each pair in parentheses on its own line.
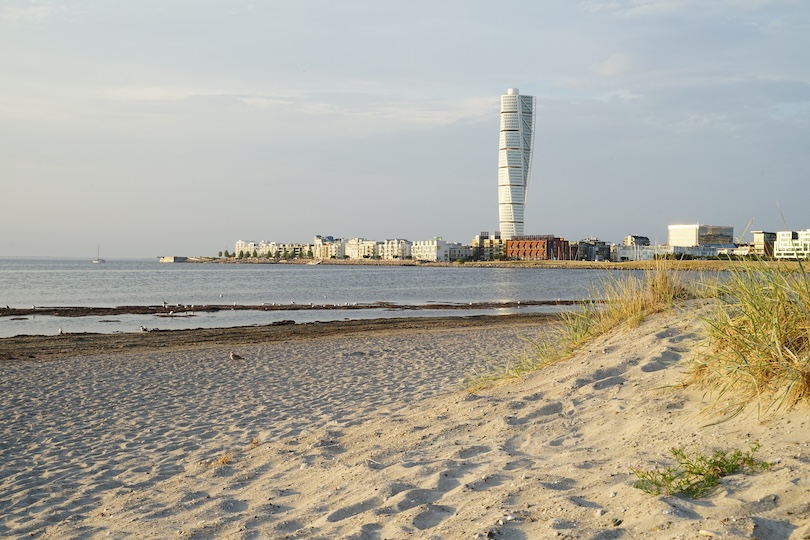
(514,160)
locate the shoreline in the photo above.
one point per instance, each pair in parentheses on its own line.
(684,265)
(183,309)
(27,347)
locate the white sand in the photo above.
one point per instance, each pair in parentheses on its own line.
(370,438)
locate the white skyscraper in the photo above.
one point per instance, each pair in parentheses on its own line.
(514,160)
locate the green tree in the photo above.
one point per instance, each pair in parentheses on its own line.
(226,253)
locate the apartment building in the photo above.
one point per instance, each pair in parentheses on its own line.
(396,248)
(362,248)
(538,248)
(488,247)
(430,250)
(792,244)
(328,247)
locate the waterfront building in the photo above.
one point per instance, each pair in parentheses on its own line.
(538,248)
(396,248)
(590,249)
(620,253)
(700,235)
(293,251)
(248,249)
(763,243)
(635,240)
(514,160)
(361,248)
(624,252)
(457,251)
(430,250)
(328,247)
(792,244)
(243,247)
(488,247)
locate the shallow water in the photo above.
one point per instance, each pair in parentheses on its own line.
(120,282)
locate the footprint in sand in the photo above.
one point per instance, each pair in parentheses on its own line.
(354,509)
(431,516)
(662,361)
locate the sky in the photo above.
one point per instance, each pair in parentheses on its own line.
(177,127)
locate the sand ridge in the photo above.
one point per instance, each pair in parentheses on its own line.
(370,438)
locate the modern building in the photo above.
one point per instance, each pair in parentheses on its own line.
(458,252)
(488,247)
(430,250)
(792,244)
(701,235)
(396,248)
(260,249)
(514,160)
(635,240)
(763,243)
(328,247)
(590,249)
(361,248)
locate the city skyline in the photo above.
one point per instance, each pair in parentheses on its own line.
(154,128)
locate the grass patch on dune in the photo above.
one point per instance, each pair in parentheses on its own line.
(697,473)
(758,340)
(622,299)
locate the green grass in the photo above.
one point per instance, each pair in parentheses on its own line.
(758,340)
(696,473)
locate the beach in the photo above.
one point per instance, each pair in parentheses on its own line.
(367,432)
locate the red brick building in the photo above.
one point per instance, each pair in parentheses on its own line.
(538,248)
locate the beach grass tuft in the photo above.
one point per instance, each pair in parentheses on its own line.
(758,340)
(624,298)
(697,473)
(224,459)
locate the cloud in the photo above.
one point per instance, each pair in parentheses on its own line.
(615,64)
(691,8)
(28,14)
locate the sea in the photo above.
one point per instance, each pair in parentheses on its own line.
(27,282)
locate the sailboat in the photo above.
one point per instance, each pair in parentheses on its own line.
(98,258)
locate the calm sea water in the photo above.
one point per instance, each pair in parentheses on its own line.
(79,282)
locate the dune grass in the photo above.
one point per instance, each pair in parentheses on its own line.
(757,346)
(622,299)
(758,340)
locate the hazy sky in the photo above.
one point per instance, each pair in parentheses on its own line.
(157,127)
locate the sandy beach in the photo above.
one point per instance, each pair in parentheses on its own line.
(369,435)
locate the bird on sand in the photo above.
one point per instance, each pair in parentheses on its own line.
(235,356)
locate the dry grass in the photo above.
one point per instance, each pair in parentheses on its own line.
(224,459)
(758,347)
(625,299)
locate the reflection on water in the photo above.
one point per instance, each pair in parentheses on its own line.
(48,325)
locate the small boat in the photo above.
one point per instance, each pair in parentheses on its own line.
(98,258)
